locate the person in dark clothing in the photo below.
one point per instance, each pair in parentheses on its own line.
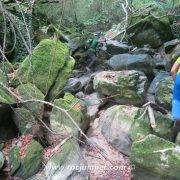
(92,46)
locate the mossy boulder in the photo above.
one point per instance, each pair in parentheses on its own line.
(66,163)
(125,87)
(47,68)
(24,120)
(3,77)
(76,108)
(31,92)
(121,125)
(164,90)
(32,161)
(1,159)
(154,155)
(14,159)
(62,78)
(46,32)
(9,37)
(5,95)
(149,27)
(26,117)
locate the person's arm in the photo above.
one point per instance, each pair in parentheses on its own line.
(175,69)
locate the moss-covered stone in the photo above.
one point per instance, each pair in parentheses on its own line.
(156,155)
(1,159)
(31,92)
(76,109)
(150,27)
(122,125)
(14,159)
(163,94)
(141,126)
(47,32)
(59,166)
(5,95)
(24,120)
(62,79)
(3,77)
(48,60)
(32,162)
(126,87)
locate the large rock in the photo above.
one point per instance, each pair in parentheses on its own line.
(145,28)
(122,125)
(14,159)
(1,159)
(155,156)
(31,92)
(163,94)
(67,164)
(168,46)
(5,95)
(76,108)
(27,116)
(48,68)
(154,84)
(31,163)
(24,120)
(73,85)
(8,128)
(132,62)
(175,54)
(126,87)
(93,102)
(114,47)
(144,50)
(87,82)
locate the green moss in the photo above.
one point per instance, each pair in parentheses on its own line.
(126,86)
(14,159)
(24,120)
(5,96)
(156,155)
(76,109)
(32,162)
(66,153)
(42,67)
(28,92)
(155,25)
(141,127)
(47,32)
(163,93)
(48,68)
(62,79)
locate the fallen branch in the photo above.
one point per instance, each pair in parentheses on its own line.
(151,117)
